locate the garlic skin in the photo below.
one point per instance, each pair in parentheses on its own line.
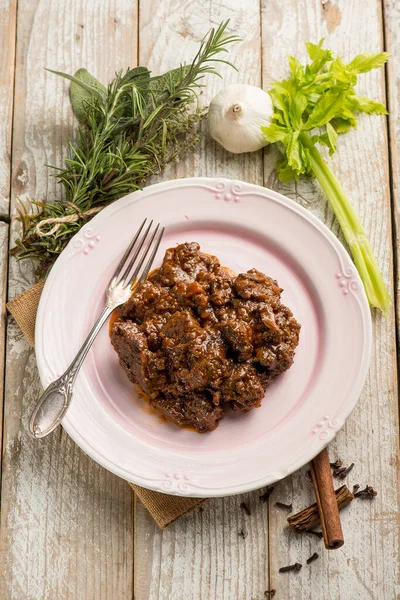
(235,116)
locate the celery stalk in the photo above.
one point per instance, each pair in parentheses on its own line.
(353,231)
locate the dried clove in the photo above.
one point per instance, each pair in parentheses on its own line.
(346,471)
(269,593)
(356,488)
(338,472)
(312,558)
(368,492)
(317,534)
(267,493)
(296,567)
(341,471)
(245,508)
(288,507)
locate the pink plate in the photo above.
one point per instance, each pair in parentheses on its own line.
(245,226)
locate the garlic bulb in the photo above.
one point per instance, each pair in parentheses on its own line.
(235,116)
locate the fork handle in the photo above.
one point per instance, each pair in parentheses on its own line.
(55,400)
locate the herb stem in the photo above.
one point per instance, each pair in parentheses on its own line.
(353,231)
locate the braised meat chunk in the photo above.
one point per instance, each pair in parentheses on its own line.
(198,338)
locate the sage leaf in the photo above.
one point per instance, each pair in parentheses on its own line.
(80,96)
(168,81)
(141,73)
(84,88)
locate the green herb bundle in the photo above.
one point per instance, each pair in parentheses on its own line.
(322,95)
(127,132)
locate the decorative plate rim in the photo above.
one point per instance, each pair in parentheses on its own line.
(229,190)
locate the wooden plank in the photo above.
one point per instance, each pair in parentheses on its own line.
(3,291)
(391,13)
(67,527)
(367,565)
(8,18)
(201,555)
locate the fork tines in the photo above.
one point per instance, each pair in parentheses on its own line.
(133,265)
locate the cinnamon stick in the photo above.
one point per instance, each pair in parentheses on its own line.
(308,518)
(321,476)
(327,505)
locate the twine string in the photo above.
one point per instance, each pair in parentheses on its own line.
(58,221)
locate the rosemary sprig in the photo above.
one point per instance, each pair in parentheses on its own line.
(127,132)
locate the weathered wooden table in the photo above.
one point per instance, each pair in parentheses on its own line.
(70,529)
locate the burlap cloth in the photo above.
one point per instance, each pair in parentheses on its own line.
(163,508)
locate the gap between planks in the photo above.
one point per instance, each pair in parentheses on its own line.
(7,79)
(390,85)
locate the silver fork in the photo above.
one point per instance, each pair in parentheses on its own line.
(55,400)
